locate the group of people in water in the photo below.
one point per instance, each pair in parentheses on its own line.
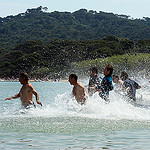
(104,85)
(96,84)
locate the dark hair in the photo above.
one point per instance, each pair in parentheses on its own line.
(24,74)
(94,69)
(110,68)
(73,75)
(123,73)
(116,76)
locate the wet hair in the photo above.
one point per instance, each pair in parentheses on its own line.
(110,68)
(73,75)
(116,76)
(24,74)
(123,73)
(94,69)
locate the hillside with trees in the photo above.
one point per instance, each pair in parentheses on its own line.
(63,56)
(43,43)
(81,25)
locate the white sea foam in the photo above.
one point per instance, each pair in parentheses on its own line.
(95,107)
(64,105)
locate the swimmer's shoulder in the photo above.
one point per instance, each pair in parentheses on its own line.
(30,86)
(81,85)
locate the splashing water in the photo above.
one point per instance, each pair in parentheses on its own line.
(63,104)
(61,115)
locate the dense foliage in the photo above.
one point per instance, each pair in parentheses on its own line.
(37,24)
(58,56)
(137,64)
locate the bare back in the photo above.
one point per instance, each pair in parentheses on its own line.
(79,92)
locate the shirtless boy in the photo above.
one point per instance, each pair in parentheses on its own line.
(26,92)
(79,90)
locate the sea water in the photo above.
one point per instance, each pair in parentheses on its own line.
(63,124)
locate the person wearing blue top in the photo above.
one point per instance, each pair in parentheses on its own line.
(106,84)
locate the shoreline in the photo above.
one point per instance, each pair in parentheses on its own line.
(32,80)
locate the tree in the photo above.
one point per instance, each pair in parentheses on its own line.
(45,9)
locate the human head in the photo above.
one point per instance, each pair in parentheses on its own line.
(23,77)
(93,71)
(108,70)
(124,75)
(115,78)
(73,79)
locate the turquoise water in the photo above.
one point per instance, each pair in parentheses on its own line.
(63,124)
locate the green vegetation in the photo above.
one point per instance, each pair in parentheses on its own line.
(36,24)
(133,64)
(42,43)
(64,56)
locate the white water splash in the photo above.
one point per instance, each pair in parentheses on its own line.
(64,105)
